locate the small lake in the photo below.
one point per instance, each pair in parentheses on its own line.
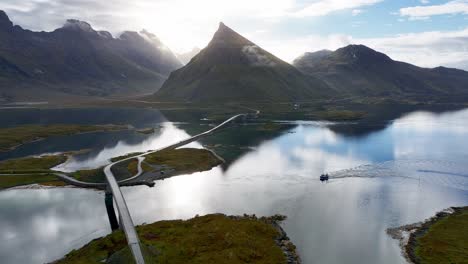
(403,173)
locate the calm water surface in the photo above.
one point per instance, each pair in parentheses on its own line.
(398,175)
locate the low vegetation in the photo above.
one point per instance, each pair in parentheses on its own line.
(207,239)
(444,240)
(31,164)
(12,137)
(184,160)
(338,115)
(92,175)
(45,179)
(30,170)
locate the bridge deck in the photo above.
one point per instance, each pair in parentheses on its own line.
(125,218)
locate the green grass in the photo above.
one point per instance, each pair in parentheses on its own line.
(185,160)
(93,175)
(9,181)
(12,137)
(446,241)
(338,115)
(31,164)
(181,160)
(30,170)
(206,239)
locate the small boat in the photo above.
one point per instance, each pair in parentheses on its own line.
(324,177)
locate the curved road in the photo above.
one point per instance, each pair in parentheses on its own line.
(141,157)
(125,219)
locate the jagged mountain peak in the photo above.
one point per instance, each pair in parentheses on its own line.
(226,36)
(5,21)
(129,35)
(360,70)
(233,69)
(80,61)
(361,53)
(105,34)
(78,25)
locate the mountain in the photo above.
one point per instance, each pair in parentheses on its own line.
(78,60)
(357,70)
(187,56)
(234,69)
(310,58)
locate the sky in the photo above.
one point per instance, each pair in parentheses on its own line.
(427,33)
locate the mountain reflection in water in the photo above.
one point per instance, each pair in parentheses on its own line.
(342,221)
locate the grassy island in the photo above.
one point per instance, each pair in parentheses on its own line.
(167,163)
(12,137)
(30,170)
(443,239)
(159,165)
(184,160)
(206,239)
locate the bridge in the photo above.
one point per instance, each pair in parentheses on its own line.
(113,191)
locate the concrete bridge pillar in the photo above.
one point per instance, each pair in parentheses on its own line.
(109,201)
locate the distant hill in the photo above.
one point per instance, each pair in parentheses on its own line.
(311,58)
(187,56)
(78,60)
(357,70)
(234,69)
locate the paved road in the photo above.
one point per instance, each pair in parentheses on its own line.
(126,221)
(141,157)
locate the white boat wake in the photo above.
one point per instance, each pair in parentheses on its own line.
(445,173)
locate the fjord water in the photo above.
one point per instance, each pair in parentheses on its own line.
(401,174)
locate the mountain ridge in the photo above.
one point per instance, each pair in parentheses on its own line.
(357,70)
(233,68)
(186,57)
(76,60)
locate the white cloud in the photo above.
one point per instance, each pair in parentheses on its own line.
(451,7)
(183,24)
(324,7)
(426,49)
(180,24)
(356,12)
(256,58)
(289,49)
(424,2)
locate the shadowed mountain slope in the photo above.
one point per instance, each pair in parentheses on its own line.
(234,69)
(78,60)
(357,70)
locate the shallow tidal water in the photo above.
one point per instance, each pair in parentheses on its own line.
(401,174)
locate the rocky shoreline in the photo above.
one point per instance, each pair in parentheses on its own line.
(408,235)
(236,239)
